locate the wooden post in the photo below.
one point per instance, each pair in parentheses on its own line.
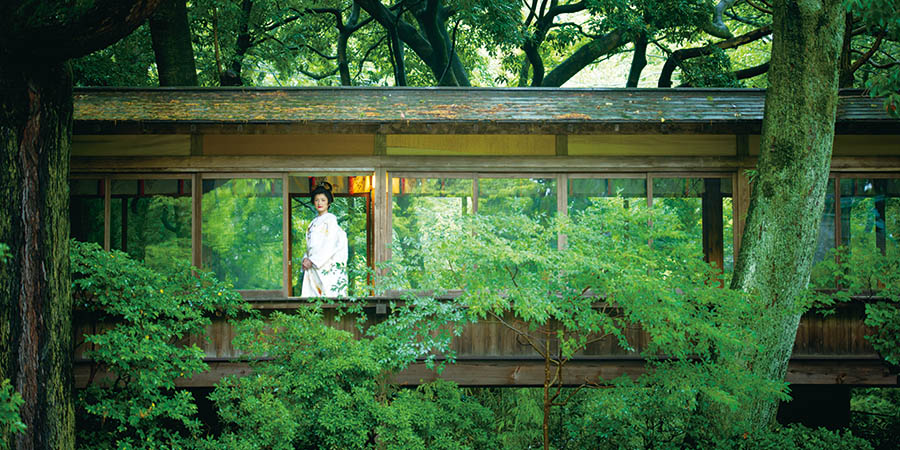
(196,201)
(286,230)
(713,229)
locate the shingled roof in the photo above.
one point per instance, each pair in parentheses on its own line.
(445,110)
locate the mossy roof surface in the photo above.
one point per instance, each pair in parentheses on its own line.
(412,107)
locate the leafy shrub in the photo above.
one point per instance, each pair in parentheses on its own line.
(10,422)
(314,386)
(137,353)
(795,437)
(436,416)
(875,416)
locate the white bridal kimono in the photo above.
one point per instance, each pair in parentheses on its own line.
(326,247)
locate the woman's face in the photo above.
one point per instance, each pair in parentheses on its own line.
(320,201)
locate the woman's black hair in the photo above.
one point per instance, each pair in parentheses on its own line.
(323,188)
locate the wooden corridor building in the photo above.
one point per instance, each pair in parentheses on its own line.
(468,148)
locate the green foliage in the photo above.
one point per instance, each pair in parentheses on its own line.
(10,422)
(436,416)
(131,399)
(322,388)
(10,400)
(606,281)
(713,70)
(518,415)
(881,16)
(795,437)
(875,416)
(869,274)
(128,62)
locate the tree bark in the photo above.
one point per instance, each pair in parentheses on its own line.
(638,61)
(232,75)
(36,39)
(789,191)
(585,55)
(171,36)
(36,308)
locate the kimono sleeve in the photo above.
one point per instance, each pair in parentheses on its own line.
(323,242)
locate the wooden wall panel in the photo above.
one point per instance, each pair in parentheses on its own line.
(471,144)
(131,145)
(651,145)
(288,144)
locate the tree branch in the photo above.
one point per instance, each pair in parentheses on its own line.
(585,55)
(716,27)
(751,72)
(865,57)
(676,58)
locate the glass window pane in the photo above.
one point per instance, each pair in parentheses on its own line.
(622,192)
(825,239)
(694,205)
(352,207)
(533,197)
(422,209)
(242,231)
(86,210)
(152,227)
(869,214)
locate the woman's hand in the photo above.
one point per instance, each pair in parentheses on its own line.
(307,264)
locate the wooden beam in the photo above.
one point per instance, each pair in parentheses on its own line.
(541,164)
(530,372)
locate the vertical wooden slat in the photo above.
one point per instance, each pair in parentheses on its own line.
(380,144)
(286,230)
(107,213)
(196,229)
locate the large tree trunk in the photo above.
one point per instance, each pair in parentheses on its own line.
(36,308)
(36,40)
(171,37)
(789,191)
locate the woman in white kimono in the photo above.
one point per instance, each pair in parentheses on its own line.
(325,261)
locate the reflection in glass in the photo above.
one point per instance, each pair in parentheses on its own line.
(242,231)
(151,221)
(352,200)
(702,208)
(86,210)
(825,238)
(621,192)
(533,197)
(870,214)
(424,209)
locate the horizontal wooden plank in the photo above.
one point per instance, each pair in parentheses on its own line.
(530,372)
(131,145)
(289,144)
(652,145)
(469,144)
(313,164)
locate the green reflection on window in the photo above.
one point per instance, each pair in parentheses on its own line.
(242,231)
(622,192)
(870,214)
(682,202)
(151,221)
(424,211)
(533,197)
